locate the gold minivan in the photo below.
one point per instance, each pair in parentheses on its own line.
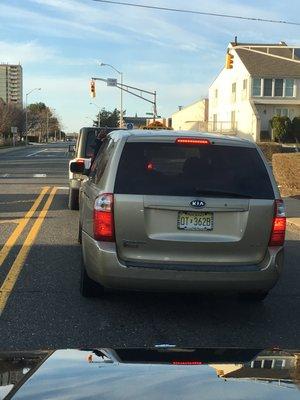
(180,211)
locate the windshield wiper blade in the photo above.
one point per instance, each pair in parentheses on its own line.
(221,193)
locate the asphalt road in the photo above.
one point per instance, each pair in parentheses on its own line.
(43,308)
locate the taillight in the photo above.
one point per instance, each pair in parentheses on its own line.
(104,218)
(193,141)
(279,225)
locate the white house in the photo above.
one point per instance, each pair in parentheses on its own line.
(191,117)
(264,81)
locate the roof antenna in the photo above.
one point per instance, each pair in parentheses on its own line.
(235,41)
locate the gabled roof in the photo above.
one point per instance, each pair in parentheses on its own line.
(262,65)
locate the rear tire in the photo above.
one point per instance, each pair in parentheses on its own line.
(254,296)
(73,199)
(88,287)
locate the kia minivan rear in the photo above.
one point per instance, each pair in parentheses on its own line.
(181,211)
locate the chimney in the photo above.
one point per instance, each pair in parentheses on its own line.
(180,108)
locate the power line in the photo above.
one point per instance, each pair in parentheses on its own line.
(209,14)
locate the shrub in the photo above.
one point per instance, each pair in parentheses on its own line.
(296,128)
(282,128)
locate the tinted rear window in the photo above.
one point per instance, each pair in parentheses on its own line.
(169,169)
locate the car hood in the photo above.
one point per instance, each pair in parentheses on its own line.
(160,373)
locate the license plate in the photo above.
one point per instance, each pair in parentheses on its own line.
(195,221)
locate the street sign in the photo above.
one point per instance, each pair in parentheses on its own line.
(129,125)
(111,82)
(14,129)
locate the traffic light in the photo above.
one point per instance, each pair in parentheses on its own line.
(229,61)
(93,88)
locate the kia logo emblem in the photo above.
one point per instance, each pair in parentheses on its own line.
(197,203)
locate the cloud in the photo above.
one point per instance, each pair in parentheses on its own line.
(25,52)
(138,24)
(31,52)
(53,26)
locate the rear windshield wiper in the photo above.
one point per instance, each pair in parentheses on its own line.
(221,193)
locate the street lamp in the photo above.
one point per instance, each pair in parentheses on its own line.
(94,104)
(26,116)
(121,75)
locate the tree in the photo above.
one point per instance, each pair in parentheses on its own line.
(10,116)
(108,118)
(41,122)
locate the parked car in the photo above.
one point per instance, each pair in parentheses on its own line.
(180,211)
(86,148)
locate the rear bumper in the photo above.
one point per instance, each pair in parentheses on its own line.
(102,265)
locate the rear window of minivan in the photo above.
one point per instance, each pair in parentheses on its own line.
(169,169)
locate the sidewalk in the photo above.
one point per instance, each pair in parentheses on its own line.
(293,212)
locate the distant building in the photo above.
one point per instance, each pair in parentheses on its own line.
(193,117)
(11,84)
(136,121)
(262,81)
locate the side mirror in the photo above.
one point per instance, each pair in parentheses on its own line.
(80,166)
(72,148)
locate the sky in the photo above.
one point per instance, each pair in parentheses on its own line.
(59,42)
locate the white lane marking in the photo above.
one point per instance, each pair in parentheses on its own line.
(10,221)
(39,175)
(63,187)
(16,201)
(33,154)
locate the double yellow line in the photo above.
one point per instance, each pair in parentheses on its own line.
(14,272)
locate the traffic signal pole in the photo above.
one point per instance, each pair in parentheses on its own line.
(134,91)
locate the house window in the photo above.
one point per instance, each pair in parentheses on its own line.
(233,120)
(268,364)
(244,92)
(268,87)
(257,364)
(273,87)
(216,93)
(282,112)
(256,90)
(278,87)
(285,112)
(278,364)
(289,87)
(233,92)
